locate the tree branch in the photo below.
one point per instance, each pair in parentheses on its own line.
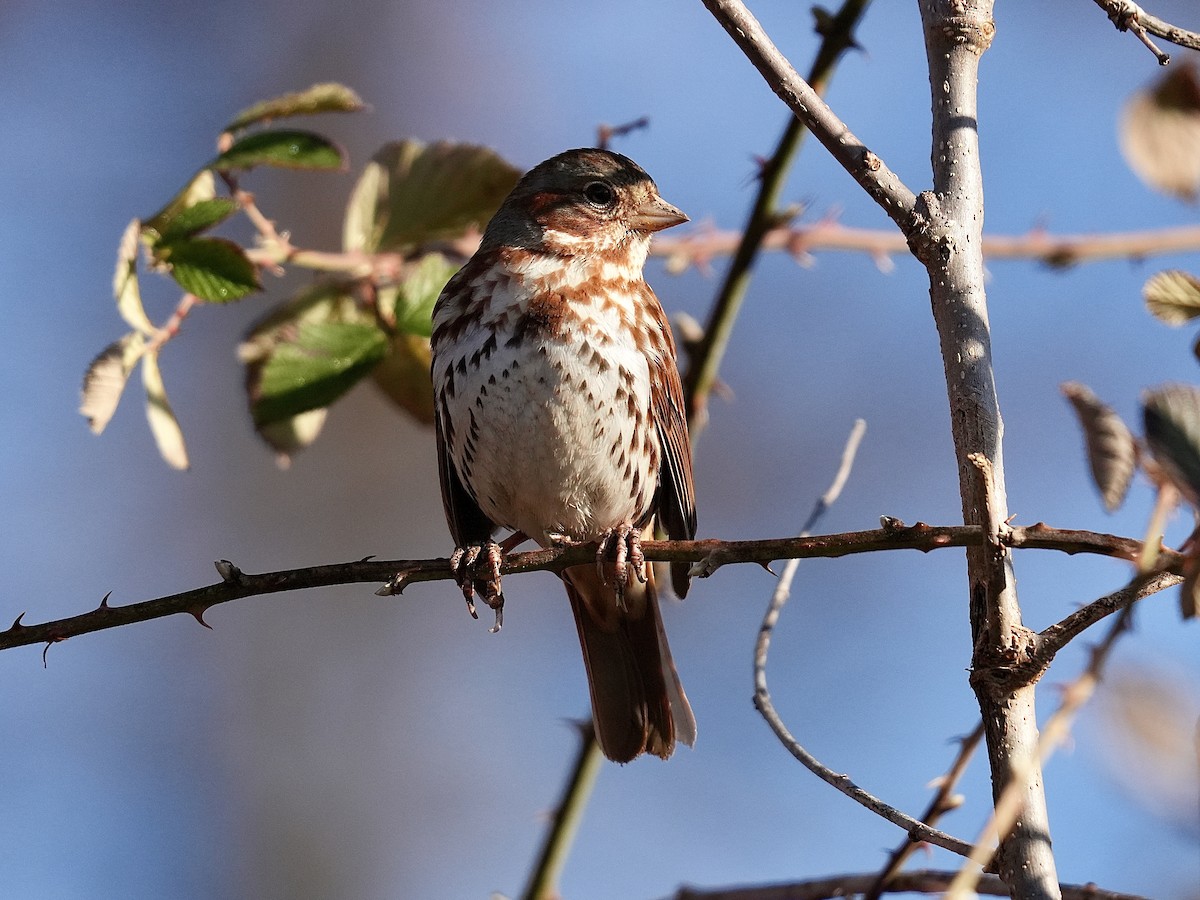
(1129,16)
(707,556)
(1009,804)
(922,881)
(957,33)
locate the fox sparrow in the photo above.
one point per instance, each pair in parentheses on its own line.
(560,416)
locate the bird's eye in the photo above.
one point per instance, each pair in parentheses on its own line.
(599,194)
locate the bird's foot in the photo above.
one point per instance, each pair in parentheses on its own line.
(476,569)
(620,553)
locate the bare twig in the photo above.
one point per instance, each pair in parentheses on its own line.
(605,133)
(944,801)
(922,881)
(1129,16)
(916,829)
(707,556)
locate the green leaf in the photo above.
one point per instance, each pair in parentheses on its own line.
(196,218)
(282,149)
(411,194)
(125,282)
(203,186)
(327,97)
(1172,421)
(105,379)
(1111,449)
(416,294)
(213,269)
(323,362)
(163,424)
(1172,296)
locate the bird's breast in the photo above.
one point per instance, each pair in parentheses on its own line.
(548,402)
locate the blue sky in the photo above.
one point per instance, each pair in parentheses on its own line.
(334,744)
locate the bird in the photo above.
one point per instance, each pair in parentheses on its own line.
(560,416)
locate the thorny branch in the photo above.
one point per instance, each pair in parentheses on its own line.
(707,556)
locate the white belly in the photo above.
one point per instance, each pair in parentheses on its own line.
(549,441)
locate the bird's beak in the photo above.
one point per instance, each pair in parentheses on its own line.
(656,214)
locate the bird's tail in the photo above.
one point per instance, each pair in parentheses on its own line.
(638,703)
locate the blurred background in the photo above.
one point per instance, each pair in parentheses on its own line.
(334,744)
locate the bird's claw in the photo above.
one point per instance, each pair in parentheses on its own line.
(622,549)
(476,569)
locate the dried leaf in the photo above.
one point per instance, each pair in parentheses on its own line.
(1150,739)
(125,282)
(1160,133)
(289,436)
(403,376)
(105,379)
(411,194)
(1111,448)
(163,424)
(1172,423)
(327,97)
(1172,296)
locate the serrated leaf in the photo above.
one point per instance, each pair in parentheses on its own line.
(326,97)
(1172,422)
(105,379)
(1160,133)
(196,218)
(163,424)
(418,291)
(213,269)
(1111,448)
(403,376)
(1172,296)
(324,302)
(411,194)
(282,149)
(202,187)
(125,282)
(322,362)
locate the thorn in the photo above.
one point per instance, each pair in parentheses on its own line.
(104,601)
(16,625)
(198,614)
(767,566)
(228,571)
(368,557)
